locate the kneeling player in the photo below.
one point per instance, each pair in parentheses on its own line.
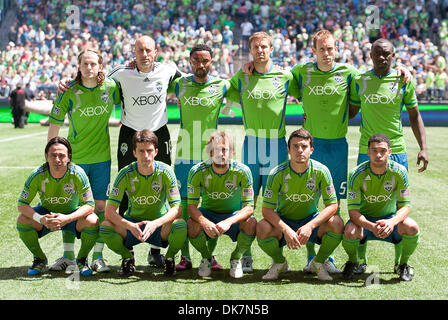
(66,204)
(379,205)
(148,184)
(293,190)
(227,203)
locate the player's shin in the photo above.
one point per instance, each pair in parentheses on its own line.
(176,238)
(89,236)
(68,242)
(185,250)
(200,244)
(31,240)
(243,244)
(351,247)
(409,245)
(115,242)
(99,246)
(330,241)
(272,248)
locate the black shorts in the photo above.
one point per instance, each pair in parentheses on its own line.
(125,154)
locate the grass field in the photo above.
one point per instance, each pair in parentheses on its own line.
(22,151)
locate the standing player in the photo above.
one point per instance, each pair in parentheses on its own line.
(290,209)
(89,104)
(200,99)
(149,184)
(381,95)
(225,188)
(66,203)
(379,205)
(262,96)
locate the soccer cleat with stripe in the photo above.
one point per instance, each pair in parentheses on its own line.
(127,267)
(62,264)
(275,270)
(331,267)
(99,265)
(37,267)
(320,270)
(83,267)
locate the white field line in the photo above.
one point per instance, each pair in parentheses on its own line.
(29,135)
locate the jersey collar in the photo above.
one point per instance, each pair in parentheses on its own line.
(262,74)
(297,173)
(381,77)
(317,68)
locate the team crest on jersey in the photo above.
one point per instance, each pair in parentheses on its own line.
(24,194)
(124,148)
(276,81)
(388,186)
(114,192)
(268,194)
(159,86)
(351,196)
(156,186)
(393,87)
(338,77)
(310,184)
(69,188)
(56,110)
(104,97)
(229,185)
(212,89)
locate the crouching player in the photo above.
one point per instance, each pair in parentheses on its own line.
(66,203)
(290,209)
(148,184)
(378,205)
(225,187)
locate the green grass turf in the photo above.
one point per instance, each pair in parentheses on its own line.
(22,150)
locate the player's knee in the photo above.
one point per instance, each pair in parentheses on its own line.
(22,219)
(194,228)
(409,227)
(351,231)
(336,224)
(263,229)
(91,220)
(249,226)
(107,223)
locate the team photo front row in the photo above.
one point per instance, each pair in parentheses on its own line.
(220,201)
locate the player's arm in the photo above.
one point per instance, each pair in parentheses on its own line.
(360,220)
(291,237)
(82,212)
(386,227)
(53,131)
(112,216)
(354,99)
(241,215)
(29,212)
(305,231)
(353,110)
(418,128)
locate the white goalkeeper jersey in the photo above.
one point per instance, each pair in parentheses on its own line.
(144,95)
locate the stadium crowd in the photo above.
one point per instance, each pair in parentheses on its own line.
(43,48)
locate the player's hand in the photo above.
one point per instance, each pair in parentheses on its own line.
(304,234)
(422,157)
(51,221)
(211,230)
(149,229)
(248,67)
(136,231)
(223,227)
(384,228)
(132,64)
(292,239)
(403,72)
(63,86)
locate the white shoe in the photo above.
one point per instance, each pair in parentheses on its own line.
(275,270)
(307,268)
(61,264)
(236,269)
(246,261)
(99,265)
(319,269)
(205,268)
(331,267)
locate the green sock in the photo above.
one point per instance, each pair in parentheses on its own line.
(362,249)
(88,239)
(409,245)
(31,240)
(248,252)
(330,241)
(99,246)
(271,247)
(351,247)
(68,242)
(243,243)
(185,251)
(115,242)
(310,251)
(398,249)
(212,243)
(200,244)
(176,238)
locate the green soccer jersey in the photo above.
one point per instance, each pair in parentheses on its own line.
(263,100)
(200,105)
(295,195)
(325,98)
(381,100)
(147,194)
(63,195)
(221,193)
(88,110)
(378,195)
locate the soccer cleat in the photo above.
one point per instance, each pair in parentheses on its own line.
(62,264)
(361,268)
(184,264)
(83,267)
(307,268)
(349,270)
(205,268)
(127,267)
(99,265)
(247,264)
(215,265)
(37,267)
(397,269)
(170,269)
(405,272)
(236,269)
(330,267)
(275,270)
(320,270)
(156,260)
